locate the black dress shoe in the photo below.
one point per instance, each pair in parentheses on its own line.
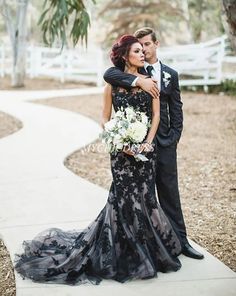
(189,251)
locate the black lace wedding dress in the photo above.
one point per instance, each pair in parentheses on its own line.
(130,239)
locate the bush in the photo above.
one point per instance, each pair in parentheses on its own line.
(227,87)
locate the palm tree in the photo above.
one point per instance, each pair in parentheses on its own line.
(54,23)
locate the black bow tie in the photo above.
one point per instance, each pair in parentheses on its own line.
(149,70)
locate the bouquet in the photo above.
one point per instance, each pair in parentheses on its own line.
(127,129)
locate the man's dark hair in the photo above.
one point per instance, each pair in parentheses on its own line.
(140,33)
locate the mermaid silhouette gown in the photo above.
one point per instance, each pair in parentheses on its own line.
(131,238)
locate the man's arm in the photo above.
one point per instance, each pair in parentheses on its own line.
(115,76)
(175,109)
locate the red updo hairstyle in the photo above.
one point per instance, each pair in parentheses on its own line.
(121,49)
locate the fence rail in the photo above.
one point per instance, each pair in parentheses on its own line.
(70,64)
(197,64)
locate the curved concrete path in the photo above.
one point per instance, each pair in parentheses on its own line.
(38,192)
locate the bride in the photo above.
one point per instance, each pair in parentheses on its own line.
(131,238)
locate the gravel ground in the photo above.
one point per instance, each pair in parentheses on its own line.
(7,279)
(206,164)
(8,125)
(42,84)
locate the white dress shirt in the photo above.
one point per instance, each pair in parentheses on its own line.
(156,74)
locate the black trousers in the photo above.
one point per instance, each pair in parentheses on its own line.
(168,190)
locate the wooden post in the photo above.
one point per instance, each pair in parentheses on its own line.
(63,61)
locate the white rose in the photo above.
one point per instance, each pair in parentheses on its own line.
(167,75)
(137,131)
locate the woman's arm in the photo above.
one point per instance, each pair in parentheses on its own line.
(107,105)
(155,121)
(107,109)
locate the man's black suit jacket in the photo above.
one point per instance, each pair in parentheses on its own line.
(171,114)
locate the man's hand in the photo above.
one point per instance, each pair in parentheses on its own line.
(149,85)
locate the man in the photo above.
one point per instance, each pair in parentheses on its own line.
(165,81)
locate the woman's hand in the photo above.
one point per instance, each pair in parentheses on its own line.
(128,151)
(139,148)
(146,147)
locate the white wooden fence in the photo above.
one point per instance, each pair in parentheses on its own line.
(197,64)
(70,64)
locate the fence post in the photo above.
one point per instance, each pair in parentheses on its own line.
(31,51)
(205,86)
(63,61)
(220,56)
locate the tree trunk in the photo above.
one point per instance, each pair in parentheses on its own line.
(229,7)
(17,34)
(198,28)
(185,8)
(19,47)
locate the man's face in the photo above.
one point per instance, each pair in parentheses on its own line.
(149,48)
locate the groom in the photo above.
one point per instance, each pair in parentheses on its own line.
(165,81)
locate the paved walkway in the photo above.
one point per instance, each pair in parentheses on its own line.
(38,192)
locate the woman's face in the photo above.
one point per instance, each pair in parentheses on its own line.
(136,55)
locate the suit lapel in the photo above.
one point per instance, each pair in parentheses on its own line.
(162,68)
(162,76)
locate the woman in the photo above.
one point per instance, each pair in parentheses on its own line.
(131,238)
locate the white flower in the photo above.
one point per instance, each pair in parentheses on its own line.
(117,139)
(119,146)
(123,132)
(110,125)
(166,78)
(137,131)
(166,75)
(144,118)
(130,114)
(128,127)
(119,114)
